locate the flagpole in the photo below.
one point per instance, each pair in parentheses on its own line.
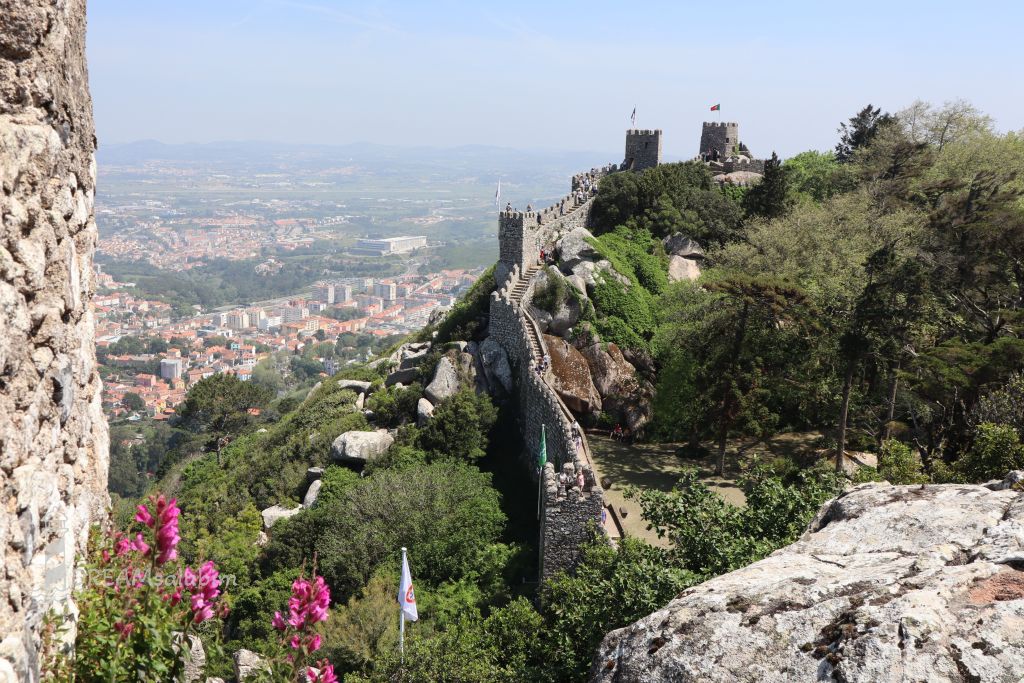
(540,476)
(401,625)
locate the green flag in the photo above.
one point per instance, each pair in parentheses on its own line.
(542,457)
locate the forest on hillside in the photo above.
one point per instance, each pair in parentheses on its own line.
(872,293)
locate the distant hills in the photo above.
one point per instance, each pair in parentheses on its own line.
(272,156)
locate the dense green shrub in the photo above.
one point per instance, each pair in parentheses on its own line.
(394,406)
(996,450)
(897,464)
(610,589)
(446,513)
(464,321)
(459,427)
(624,315)
(710,536)
(666,199)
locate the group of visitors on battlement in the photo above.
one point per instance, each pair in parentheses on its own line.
(541,366)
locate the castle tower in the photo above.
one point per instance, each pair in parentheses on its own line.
(643,149)
(720,137)
(517,242)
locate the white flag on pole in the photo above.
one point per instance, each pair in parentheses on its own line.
(497,194)
(406,595)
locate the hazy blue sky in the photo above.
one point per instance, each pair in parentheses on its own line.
(532,74)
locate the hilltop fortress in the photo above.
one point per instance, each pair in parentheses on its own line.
(569,512)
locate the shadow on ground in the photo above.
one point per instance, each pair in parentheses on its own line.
(657,466)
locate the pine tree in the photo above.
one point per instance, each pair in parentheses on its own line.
(770,198)
(860,130)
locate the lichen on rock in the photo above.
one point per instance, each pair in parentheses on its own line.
(889,583)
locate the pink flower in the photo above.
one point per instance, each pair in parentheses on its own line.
(309,602)
(189,579)
(279,622)
(202,614)
(308,605)
(167,536)
(140,545)
(144,516)
(205,587)
(326,673)
(122,545)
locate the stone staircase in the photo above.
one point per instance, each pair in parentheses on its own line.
(516,296)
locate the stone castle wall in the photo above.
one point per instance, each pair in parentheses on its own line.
(751,165)
(53,436)
(568,513)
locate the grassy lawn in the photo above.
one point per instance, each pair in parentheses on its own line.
(657,466)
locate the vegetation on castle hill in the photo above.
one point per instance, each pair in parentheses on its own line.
(868,294)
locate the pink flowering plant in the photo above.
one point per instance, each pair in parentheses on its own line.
(142,608)
(298,639)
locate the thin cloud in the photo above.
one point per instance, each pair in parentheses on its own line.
(340,17)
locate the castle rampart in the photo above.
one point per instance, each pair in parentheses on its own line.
(569,512)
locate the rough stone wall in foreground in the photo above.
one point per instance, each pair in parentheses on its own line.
(53,437)
(889,584)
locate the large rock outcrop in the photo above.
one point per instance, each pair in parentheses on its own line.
(889,583)
(571,373)
(680,269)
(497,370)
(611,372)
(53,437)
(445,383)
(557,304)
(361,447)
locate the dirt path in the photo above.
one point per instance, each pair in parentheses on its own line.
(657,466)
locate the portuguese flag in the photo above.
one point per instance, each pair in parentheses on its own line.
(716,107)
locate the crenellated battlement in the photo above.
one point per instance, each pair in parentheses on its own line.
(643,149)
(719,139)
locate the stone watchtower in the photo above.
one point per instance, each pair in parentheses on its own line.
(517,242)
(720,137)
(643,149)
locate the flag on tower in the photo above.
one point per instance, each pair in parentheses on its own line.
(497,194)
(406,595)
(632,117)
(716,107)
